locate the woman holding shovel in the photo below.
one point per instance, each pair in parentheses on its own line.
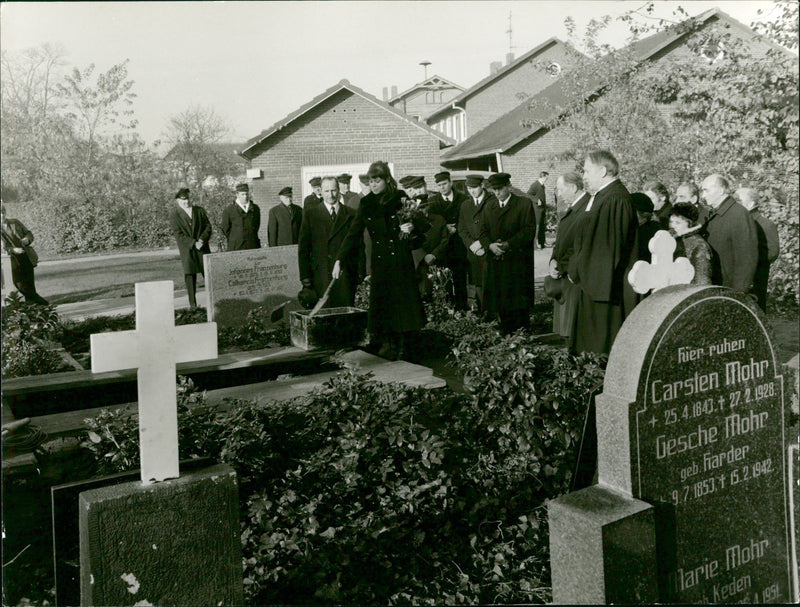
(395,305)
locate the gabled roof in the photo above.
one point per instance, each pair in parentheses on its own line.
(502,72)
(225,149)
(542,109)
(429,84)
(341,85)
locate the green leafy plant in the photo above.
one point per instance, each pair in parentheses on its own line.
(113,435)
(27,333)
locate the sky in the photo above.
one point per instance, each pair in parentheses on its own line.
(255,62)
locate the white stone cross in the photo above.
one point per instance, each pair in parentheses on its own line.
(153,349)
(662,271)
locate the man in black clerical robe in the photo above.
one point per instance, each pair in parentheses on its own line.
(506,236)
(605,248)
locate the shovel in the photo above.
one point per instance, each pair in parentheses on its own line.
(322,300)
(278,312)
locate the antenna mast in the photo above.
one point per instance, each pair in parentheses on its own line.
(510,32)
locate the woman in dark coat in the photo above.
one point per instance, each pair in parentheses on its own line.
(192,229)
(395,305)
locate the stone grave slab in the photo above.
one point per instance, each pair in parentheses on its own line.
(65,528)
(238,281)
(692,421)
(170,543)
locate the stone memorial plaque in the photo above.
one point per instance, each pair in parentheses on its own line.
(238,281)
(707,445)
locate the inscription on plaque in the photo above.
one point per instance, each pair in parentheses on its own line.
(708,450)
(238,281)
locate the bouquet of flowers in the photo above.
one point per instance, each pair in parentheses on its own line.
(409,212)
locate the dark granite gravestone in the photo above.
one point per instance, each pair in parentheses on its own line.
(238,281)
(692,421)
(175,542)
(66,537)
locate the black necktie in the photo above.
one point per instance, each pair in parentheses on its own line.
(333,214)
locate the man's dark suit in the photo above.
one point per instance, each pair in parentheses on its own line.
(564,310)
(508,290)
(733,237)
(537,193)
(320,240)
(311,200)
(240,228)
(469,230)
(450,251)
(283,225)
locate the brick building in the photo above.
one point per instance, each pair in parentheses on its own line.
(500,91)
(424,97)
(344,129)
(527,139)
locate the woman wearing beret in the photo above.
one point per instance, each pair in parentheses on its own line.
(192,229)
(683,223)
(395,305)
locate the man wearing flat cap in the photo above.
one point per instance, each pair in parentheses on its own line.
(469,231)
(315,197)
(506,236)
(449,251)
(283,225)
(241,221)
(350,199)
(192,230)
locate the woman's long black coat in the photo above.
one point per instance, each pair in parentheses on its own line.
(394,303)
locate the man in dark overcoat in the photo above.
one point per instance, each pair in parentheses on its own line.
(192,230)
(605,248)
(469,231)
(321,235)
(449,251)
(283,223)
(507,231)
(539,197)
(241,221)
(17,241)
(732,235)
(769,246)
(315,197)
(569,188)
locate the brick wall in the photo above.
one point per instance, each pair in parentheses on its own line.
(502,96)
(344,129)
(525,161)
